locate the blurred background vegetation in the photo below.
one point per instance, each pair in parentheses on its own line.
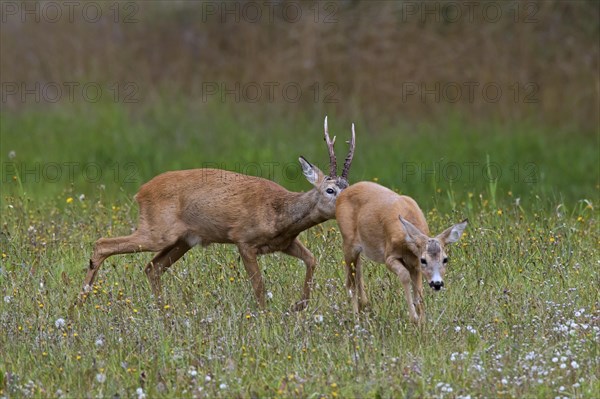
(100,96)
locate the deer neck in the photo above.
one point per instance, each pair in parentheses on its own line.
(300,211)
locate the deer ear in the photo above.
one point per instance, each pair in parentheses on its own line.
(311,172)
(453,233)
(413,234)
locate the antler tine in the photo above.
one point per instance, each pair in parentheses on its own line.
(330,143)
(348,160)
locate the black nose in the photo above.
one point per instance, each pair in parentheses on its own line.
(436,285)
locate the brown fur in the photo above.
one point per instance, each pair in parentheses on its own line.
(368,216)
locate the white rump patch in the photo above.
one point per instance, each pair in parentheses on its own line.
(193,240)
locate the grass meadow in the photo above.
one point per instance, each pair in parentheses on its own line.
(519,317)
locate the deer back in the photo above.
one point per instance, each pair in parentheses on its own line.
(217,206)
(367,214)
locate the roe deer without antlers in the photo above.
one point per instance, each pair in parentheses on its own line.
(181,209)
(390,228)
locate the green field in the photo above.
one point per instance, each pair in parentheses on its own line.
(519,316)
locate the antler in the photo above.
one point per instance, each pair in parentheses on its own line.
(330,143)
(348,160)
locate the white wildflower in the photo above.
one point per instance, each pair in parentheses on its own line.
(223,386)
(7,299)
(478,367)
(574,325)
(100,377)
(574,364)
(60,322)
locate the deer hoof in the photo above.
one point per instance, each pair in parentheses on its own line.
(364,307)
(300,305)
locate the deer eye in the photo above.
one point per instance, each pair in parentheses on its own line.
(445,260)
(423,261)
(330,191)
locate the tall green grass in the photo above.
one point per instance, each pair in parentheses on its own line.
(110,150)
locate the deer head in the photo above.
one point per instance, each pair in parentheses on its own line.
(431,251)
(329,186)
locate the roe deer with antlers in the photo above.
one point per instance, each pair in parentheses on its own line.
(181,209)
(390,228)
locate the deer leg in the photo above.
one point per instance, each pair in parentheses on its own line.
(296,249)
(250,263)
(161,262)
(351,261)
(396,267)
(363,301)
(417,286)
(105,247)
